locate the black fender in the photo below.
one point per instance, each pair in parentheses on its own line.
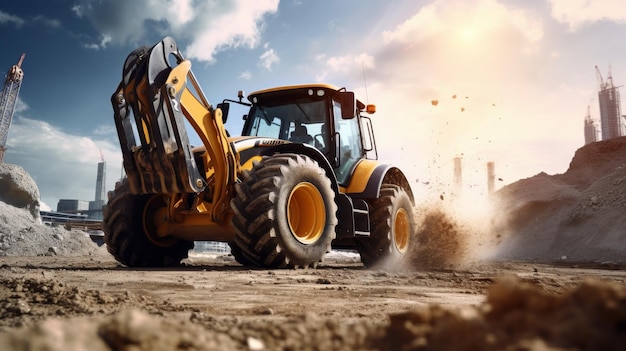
(383,174)
(249,148)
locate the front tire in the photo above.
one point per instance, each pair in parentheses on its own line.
(285,213)
(392,227)
(127,224)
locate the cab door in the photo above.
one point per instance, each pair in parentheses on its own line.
(348,143)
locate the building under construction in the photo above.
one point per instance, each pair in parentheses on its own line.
(591,128)
(611,120)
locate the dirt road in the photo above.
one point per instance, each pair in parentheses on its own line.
(214,303)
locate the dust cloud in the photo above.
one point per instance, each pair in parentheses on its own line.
(452,233)
(574,217)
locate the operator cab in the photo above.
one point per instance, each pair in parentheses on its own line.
(318,115)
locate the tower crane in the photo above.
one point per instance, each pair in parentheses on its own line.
(600,80)
(605,84)
(8,98)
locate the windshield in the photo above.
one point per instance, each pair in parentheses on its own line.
(300,120)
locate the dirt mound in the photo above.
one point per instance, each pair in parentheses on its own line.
(520,316)
(592,161)
(21,230)
(575,216)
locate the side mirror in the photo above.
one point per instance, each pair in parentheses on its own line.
(347,105)
(224,106)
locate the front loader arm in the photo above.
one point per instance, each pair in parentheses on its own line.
(150,106)
(209,125)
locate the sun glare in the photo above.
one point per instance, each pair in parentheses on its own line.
(468,34)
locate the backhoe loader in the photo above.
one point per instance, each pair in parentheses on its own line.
(301,179)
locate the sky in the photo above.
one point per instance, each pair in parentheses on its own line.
(513,79)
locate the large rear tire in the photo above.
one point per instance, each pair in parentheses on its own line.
(392,228)
(128,223)
(285,213)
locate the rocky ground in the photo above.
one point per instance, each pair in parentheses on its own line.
(553,279)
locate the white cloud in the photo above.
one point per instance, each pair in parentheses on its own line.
(78,10)
(269,58)
(237,25)
(105,129)
(341,63)
(346,64)
(422,25)
(208,26)
(182,12)
(576,13)
(246,75)
(106,39)
(18,21)
(63,165)
(20,106)
(8,18)
(50,22)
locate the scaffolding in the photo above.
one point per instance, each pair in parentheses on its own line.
(591,130)
(610,113)
(8,98)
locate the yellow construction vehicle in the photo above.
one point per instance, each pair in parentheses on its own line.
(296,183)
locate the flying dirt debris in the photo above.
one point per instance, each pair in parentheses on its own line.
(434,102)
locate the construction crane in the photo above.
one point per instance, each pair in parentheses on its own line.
(601,83)
(608,83)
(8,99)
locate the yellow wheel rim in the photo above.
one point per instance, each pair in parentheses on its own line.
(402,230)
(155,215)
(306,213)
